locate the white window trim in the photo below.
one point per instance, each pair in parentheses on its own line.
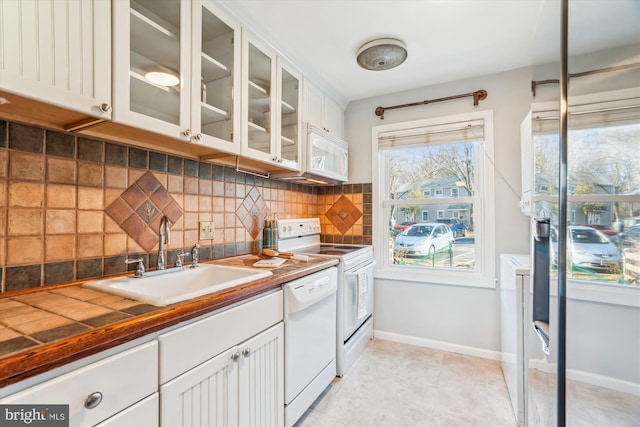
(484,276)
(438,192)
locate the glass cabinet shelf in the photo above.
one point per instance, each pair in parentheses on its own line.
(287,108)
(159,42)
(287,141)
(212,69)
(164,105)
(257,91)
(211,114)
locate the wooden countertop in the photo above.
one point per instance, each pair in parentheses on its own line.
(114,320)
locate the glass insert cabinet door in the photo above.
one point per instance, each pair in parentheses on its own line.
(259,77)
(216,63)
(151,51)
(289,124)
(176,65)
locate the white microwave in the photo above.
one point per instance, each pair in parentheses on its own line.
(325,159)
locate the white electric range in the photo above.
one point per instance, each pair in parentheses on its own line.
(355,284)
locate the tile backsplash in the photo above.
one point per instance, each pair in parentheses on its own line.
(73,208)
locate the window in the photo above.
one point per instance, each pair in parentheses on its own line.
(603,183)
(413,160)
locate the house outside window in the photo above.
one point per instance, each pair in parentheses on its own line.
(449,157)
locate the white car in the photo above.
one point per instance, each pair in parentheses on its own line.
(587,249)
(423,239)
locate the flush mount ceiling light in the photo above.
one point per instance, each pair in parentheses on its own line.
(382,54)
(162,76)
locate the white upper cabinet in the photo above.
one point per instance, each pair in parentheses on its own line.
(271,103)
(58,52)
(289,135)
(258,99)
(215,114)
(322,111)
(194,46)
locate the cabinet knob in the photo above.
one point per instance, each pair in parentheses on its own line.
(235,356)
(197,137)
(93,400)
(105,108)
(185,133)
(246,352)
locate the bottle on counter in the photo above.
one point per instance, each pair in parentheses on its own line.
(270,233)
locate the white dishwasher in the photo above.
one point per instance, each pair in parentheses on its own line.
(310,340)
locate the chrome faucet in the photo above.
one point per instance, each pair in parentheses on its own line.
(165,238)
(195,256)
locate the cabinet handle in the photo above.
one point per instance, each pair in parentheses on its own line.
(246,352)
(235,356)
(93,400)
(197,137)
(105,108)
(186,133)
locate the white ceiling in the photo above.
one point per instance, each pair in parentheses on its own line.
(447,40)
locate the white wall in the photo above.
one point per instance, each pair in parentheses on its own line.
(463,317)
(458,316)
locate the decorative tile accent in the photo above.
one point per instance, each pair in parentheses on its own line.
(252,212)
(138,208)
(343,214)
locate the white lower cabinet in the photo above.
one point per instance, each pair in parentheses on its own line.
(102,389)
(142,414)
(241,384)
(261,379)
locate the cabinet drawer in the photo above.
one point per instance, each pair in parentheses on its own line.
(123,380)
(143,414)
(184,348)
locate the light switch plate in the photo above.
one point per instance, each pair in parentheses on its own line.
(207,229)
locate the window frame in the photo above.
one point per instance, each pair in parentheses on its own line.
(587,290)
(484,273)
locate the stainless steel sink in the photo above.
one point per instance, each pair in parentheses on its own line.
(161,290)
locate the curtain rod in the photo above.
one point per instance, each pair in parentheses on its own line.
(535,83)
(479,95)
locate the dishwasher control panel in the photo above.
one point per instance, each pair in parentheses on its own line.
(306,291)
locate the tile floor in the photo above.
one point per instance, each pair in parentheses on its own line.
(399,385)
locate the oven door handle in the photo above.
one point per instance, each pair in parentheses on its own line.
(355,272)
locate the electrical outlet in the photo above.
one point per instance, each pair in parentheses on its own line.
(206,230)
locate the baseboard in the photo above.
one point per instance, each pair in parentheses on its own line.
(542,365)
(589,378)
(438,345)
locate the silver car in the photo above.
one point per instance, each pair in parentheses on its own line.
(589,248)
(424,239)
